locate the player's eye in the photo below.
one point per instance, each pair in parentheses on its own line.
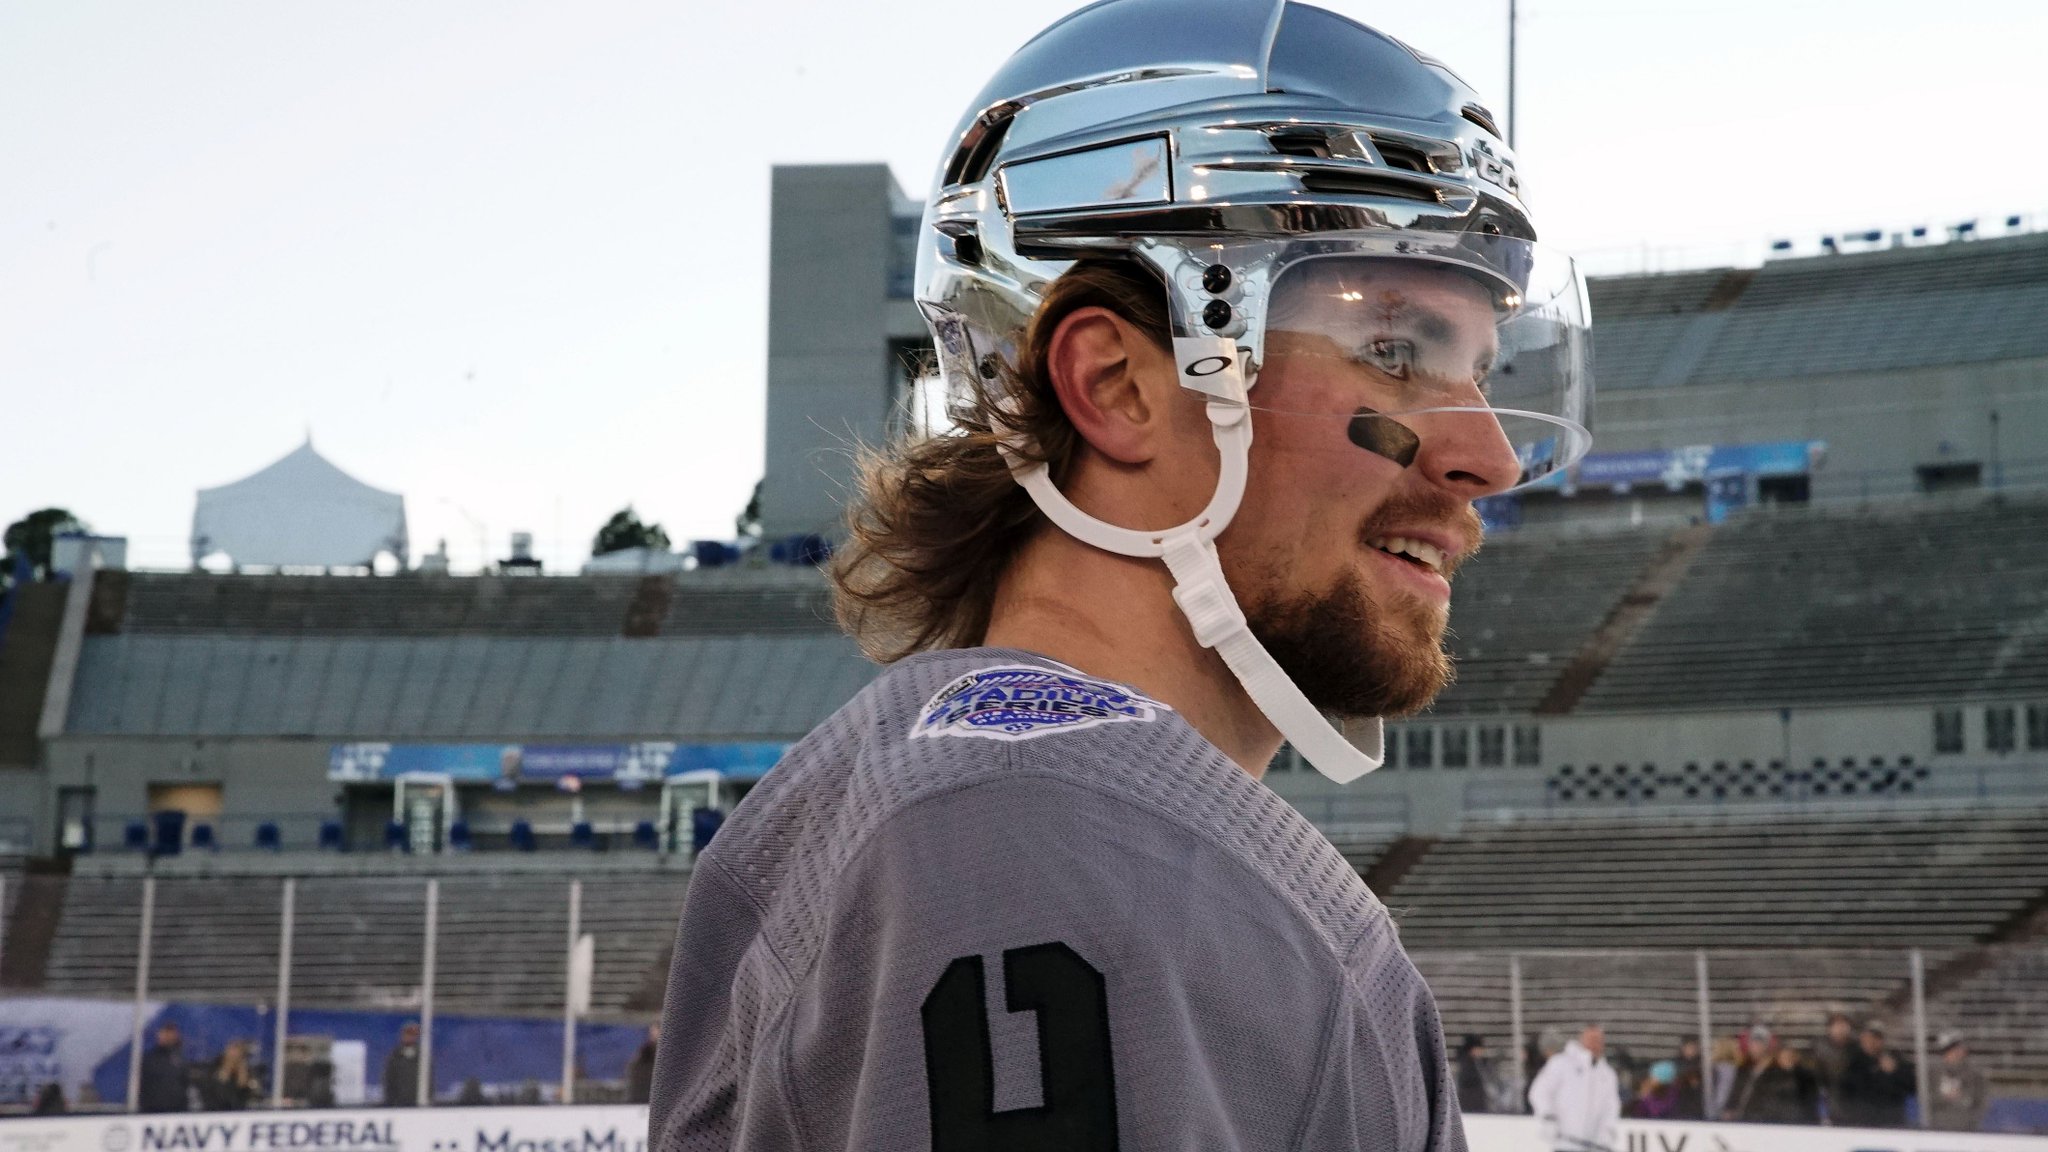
(1396,358)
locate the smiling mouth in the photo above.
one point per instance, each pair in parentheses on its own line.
(1420,553)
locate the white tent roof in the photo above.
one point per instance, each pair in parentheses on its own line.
(301,510)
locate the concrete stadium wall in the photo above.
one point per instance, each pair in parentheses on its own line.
(1878,426)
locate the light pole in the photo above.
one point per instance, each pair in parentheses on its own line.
(1512,121)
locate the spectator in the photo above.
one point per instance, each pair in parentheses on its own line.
(1691,1101)
(166,1080)
(1875,1084)
(1657,1097)
(1831,1054)
(640,1072)
(1960,1091)
(1727,1065)
(1537,1052)
(1780,1090)
(1577,1098)
(50,1101)
(402,1069)
(231,1086)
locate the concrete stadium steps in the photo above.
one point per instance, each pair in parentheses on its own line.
(1508,653)
(358,940)
(2002,1011)
(1802,607)
(1934,880)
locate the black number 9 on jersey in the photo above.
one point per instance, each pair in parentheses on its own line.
(1076,1074)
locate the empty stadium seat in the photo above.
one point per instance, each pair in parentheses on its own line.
(332,838)
(395,838)
(268,838)
(203,838)
(458,836)
(582,835)
(135,836)
(645,836)
(521,836)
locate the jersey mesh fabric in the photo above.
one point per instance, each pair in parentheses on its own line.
(1258,995)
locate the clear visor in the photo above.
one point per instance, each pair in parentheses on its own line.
(1469,350)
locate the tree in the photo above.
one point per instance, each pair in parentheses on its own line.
(31,536)
(624,530)
(749,521)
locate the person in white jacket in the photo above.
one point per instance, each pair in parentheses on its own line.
(1577,1097)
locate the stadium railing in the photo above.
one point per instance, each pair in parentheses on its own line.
(328,969)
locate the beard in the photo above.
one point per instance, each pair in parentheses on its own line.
(1354,653)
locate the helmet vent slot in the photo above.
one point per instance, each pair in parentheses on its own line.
(1406,157)
(1368,184)
(1483,118)
(977,151)
(1313,144)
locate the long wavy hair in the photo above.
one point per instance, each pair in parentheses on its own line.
(936,519)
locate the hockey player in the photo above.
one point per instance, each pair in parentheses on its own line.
(1240,313)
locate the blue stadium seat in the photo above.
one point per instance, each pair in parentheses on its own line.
(135,836)
(268,838)
(458,836)
(522,836)
(203,839)
(644,835)
(704,824)
(170,832)
(395,838)
(582,835)
(331,838)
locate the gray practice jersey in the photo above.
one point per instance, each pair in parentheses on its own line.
(994,905)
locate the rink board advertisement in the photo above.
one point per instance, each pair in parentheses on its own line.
(623,1128)
(609,1128)
(1521,1134)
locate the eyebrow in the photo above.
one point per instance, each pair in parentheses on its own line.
(1435,326)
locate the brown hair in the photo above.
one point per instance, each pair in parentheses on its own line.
(935,520)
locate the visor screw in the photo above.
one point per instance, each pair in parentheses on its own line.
(1217,314)
(1216,278)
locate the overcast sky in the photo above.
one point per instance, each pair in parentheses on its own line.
(510,258)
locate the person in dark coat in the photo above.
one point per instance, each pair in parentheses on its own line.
(640,1071)
(1875,1084)
(1475,1079)
(50,1101)
(1782,1091)
(1691,1097)
(402,1069)
(166,1079)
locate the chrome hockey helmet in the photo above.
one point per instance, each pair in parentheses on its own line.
(1262,157)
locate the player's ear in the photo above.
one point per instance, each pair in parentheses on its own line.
(1112,383)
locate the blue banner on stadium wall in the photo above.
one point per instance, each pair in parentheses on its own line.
(1698,463)
(629,764)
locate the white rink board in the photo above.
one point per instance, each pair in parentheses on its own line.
(623,1128)
(597,1128)
(1520,1134)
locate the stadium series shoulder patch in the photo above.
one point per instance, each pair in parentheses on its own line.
(1019,702)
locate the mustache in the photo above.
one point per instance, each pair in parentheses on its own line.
(1432,509)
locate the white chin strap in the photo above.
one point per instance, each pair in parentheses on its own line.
(1211,367)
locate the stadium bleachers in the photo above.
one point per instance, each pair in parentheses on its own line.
(1508,653)
(1866,312)
(358,940)
(1799,915)
(1808,606)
